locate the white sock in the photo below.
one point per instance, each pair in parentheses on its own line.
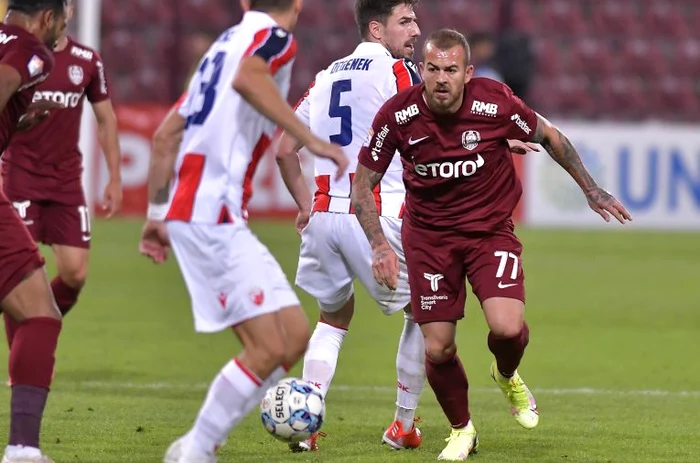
(322,355)
(232,395)
(271,380)
(17,452)
(410,371)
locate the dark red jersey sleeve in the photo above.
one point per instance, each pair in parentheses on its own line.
(97,89)
(382,142)
(30,61)
(522,120)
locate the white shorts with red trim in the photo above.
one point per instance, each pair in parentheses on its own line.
(230,275)
(335,252)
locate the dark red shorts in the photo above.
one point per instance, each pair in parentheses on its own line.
(19,255)
(54,223)
(439,261)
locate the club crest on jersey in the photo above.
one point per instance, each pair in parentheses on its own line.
(471,139)
(76,74)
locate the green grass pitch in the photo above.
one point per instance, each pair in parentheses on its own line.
(613,360)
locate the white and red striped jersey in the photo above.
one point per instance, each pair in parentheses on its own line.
(340,106)
(225,137)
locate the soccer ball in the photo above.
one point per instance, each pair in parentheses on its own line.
(292,410)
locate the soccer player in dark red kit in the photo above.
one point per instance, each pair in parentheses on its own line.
(42,167)
(25,295)
(462,189)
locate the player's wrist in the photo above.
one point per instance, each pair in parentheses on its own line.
(157,211)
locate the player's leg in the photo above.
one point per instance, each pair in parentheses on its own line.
(67,229)
(72,265)
(235,286)
(31,213)
(498,282)
(324,274)
(436,276)
(26,297)
(410,368)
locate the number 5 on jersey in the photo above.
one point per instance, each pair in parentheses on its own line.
(344,112)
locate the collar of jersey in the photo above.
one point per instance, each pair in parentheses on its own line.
(259,17)
(371,48)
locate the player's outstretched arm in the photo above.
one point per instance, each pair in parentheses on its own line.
(563,152)
(286,150)
(255,84)
(108,134)
(385,262)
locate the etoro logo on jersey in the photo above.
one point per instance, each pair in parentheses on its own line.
(67,99)
(449,169)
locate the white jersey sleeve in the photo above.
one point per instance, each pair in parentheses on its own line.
(342,103)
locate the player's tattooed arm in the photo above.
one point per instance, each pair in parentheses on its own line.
(563,152)
(363,202)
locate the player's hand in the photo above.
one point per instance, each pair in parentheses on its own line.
(112,197)
(605,204)
(521,147)
(154,241)
(36,113)
(330,151)
(385,266)
(302,221)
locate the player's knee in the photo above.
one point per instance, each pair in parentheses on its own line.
(339,315)
(440,350)
(74,277)
(507,326)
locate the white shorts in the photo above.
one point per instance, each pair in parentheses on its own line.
(230,275)
(335,251)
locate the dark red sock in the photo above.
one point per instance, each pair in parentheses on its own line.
(27,409)
(10,329)
(66,296)
(449,382)
(32,360)
(509,351)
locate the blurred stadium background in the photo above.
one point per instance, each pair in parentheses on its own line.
(614,315)
(622,77)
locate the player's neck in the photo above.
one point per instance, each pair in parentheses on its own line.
(61,43)
(284,19)
(15,18)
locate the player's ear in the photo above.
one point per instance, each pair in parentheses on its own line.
(421,68)
(245,5)
(376,29)
(298,5)
(469,73)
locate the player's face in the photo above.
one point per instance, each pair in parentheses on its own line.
(401,32)
(445,72)
(52,26)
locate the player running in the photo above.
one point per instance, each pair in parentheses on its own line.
(461,192)
(30,27)
(340,106)
(42,167)
(226,122)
